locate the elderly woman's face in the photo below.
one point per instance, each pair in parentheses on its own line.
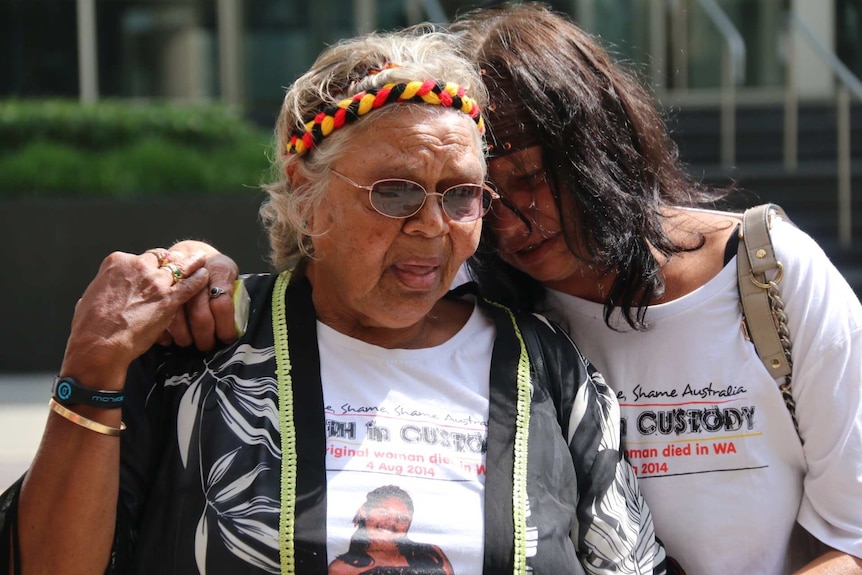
(377,271)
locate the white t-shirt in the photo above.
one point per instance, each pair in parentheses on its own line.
(706,429)
(426,436)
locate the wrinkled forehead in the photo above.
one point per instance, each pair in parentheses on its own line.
(411,133)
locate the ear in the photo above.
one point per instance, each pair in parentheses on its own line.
(291,171)
(294,176)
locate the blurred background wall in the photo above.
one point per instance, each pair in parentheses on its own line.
(245,51)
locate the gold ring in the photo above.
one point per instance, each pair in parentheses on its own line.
(175,270)
(161,255)
(216,291)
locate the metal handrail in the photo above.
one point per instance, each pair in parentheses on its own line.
(435,11)
(733,73)
(88,66)
(849,83)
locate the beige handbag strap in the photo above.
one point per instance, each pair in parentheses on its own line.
(760,298)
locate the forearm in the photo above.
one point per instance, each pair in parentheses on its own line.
(68,503)
(67,507)
(833,563)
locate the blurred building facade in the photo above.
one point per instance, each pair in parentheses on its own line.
(245,51)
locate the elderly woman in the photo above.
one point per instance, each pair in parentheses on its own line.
(354,370)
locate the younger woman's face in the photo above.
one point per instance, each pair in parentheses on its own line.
(538,249)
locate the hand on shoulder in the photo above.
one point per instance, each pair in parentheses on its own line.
(126,308)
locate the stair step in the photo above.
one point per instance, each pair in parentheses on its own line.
(809,194)
(760,133)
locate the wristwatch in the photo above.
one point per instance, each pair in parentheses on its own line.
(67,391)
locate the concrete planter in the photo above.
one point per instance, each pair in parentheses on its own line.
(52,247)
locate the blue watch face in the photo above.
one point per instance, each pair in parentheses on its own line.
(64,390)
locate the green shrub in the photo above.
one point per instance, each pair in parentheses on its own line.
(48,166)
(123,149)
(111,123)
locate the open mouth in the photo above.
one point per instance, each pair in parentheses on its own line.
(418,275)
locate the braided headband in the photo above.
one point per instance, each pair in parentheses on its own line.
(434,92)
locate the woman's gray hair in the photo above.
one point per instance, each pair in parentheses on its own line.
(351,66)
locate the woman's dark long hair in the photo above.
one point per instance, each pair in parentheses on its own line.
(605,149)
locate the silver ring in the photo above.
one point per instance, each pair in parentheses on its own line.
(216,291)
(175,270)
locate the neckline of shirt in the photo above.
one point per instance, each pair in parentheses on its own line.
(458,342)
(719,284)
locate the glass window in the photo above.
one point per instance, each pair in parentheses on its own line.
(157,49)
(39,47)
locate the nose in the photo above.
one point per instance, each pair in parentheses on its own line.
(430,220)
(431,196)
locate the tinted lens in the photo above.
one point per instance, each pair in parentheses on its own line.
(397,198)
(466,203)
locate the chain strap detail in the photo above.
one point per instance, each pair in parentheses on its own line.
(780,318)
(764,315)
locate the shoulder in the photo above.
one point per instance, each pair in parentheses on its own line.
(806,266)
(553,337)
(556,360)
(704,236)
(812,287)
(547,333)
(258,284)
(794,243)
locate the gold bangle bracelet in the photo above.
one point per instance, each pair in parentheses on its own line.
(83,421)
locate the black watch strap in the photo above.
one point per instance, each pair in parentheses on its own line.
(67,391)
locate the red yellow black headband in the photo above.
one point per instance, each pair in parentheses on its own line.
(332,117)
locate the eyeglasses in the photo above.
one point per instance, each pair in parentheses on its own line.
(507,218)
(396,198)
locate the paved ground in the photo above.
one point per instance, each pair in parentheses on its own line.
(23,410)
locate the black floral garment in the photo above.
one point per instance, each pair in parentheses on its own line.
(201,458)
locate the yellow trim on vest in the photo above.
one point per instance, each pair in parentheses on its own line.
(522,435)
(287,518)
